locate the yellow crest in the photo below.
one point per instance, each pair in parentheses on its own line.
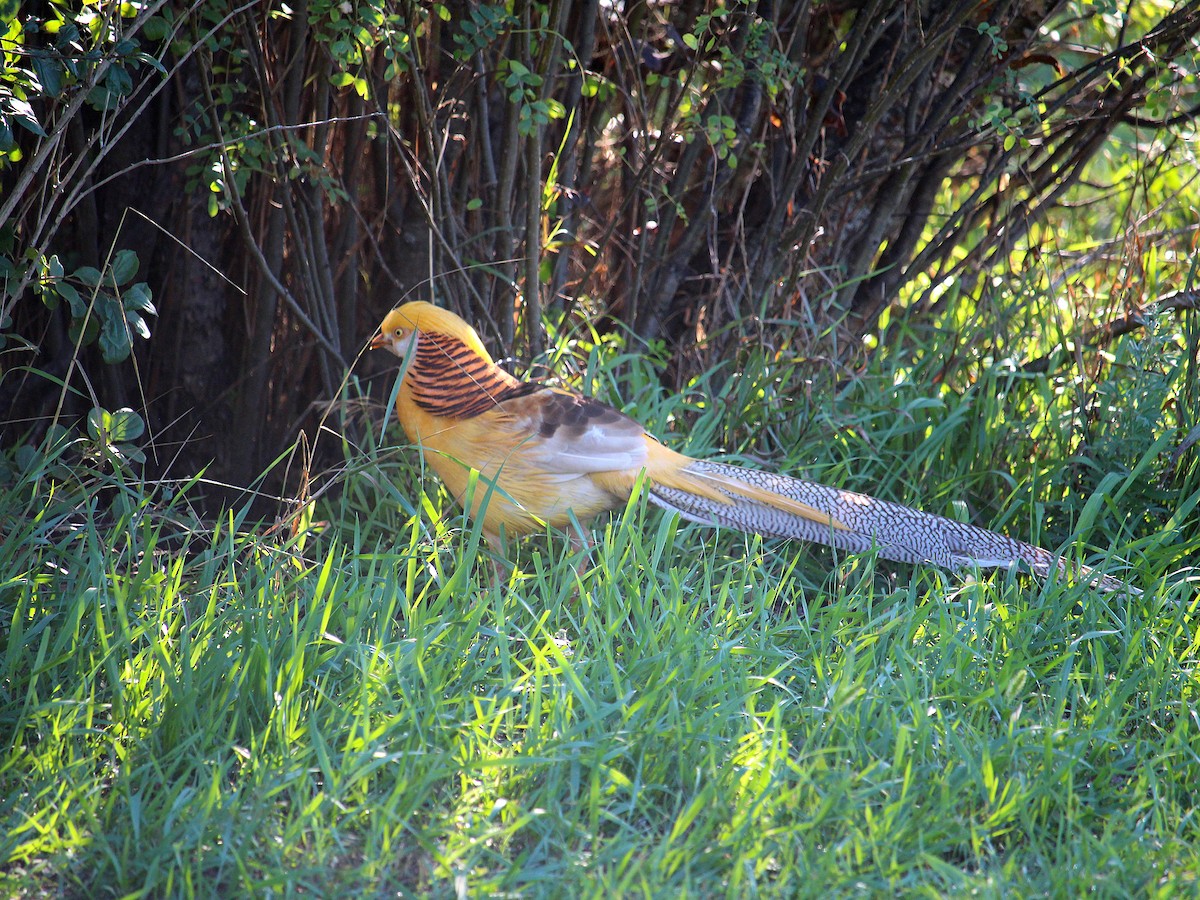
(426,318)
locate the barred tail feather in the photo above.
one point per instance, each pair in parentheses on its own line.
(780,506)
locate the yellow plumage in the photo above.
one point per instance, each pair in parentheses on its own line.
(538,456)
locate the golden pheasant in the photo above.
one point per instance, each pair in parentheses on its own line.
(543,455)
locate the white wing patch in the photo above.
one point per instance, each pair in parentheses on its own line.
(570,436)
(595,448)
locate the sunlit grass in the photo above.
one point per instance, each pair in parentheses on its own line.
(377,708)
(223,712)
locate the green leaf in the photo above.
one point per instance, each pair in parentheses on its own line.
(156,28)
(131,453)
(48,71)
(67,34)
(126,425)
(88,275)
(118,81)
(108,94)
(118,427)
(28,457)
(114,340)
(99,99)
(77,303)
(124,267)
(138,299)
(151,61)
(57,437)
(81,334)
(97,424)
(22,113)
(138,325)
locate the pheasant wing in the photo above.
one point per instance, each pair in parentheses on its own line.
(571,435)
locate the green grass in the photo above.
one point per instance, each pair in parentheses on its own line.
(223,711)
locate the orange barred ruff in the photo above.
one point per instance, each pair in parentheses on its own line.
(452,380)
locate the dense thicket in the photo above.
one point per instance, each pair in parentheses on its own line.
(257,183)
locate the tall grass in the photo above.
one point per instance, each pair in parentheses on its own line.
(373,706)
(227,711)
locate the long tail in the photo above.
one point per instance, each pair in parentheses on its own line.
(781,506)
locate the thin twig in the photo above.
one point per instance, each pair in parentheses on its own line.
(1106,333)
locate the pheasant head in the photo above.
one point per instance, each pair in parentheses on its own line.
(402,325)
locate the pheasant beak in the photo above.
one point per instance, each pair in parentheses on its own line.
(395,338)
